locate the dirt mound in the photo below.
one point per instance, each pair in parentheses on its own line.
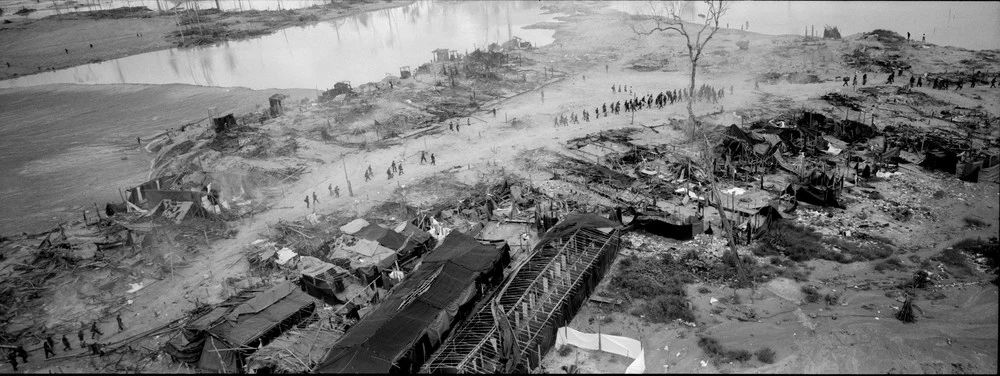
(649,62)
(794,78)
(841,100)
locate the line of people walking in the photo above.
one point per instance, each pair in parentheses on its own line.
(49,344)
(704,93)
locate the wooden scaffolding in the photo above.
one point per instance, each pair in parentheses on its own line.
(543,294)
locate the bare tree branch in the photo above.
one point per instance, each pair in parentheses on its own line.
(669,20)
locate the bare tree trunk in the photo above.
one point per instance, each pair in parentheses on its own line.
(690,98)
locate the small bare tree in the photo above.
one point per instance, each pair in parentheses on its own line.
(668,19)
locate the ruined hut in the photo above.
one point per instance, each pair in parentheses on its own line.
(275,101)
(441,54)
(222,124)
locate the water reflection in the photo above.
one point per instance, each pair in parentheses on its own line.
(360,49)
(978,26)
(44,9)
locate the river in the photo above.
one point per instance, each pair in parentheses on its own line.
(53,169)
(359,49)
(971,25)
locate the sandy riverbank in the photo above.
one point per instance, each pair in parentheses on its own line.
(32,46)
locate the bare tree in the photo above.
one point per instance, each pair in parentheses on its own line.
(668,19)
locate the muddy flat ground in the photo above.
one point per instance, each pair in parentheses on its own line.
(595,49)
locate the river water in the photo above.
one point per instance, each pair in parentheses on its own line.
(972,25)
(53,169)
(45,9)
(359,49)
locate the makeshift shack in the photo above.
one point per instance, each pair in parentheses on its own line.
(222,124)
(275,102)
(414,318)
(251,324)
(323,280)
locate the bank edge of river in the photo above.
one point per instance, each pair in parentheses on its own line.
(45,44)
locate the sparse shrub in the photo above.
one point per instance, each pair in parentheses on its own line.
(811,294)
(662,290)
(936,295)
(831,299)
(668,308)
(565,350)
(975,222)
(740,355)
(607,320)
(704,290)
(914,259)
(939,194)
(891,263)
(765,355)
(715,351)
(954,259)
(711,347)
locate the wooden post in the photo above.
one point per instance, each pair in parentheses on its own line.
(350,190)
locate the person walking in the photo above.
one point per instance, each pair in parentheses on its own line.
(923,38)
(920,82)
(94,331)
(423,157)
(80,333)
(12,358)
(393,167)
(432,159)
(315,201)
(993,83)
(368,176)
(307,207)
(118,318)
(400,167)
(47,347)
(864,79)
(388,173)
(451,127)
(330,187)
(912,82)
(336,192)
(21,352)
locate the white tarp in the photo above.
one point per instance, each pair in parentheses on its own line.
(624,346)
(284,255)
(354,226)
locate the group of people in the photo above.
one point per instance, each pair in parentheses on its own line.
(938,83)
(456,126)
(705,92)
(49,344)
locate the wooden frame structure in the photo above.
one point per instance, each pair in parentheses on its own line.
(542,295)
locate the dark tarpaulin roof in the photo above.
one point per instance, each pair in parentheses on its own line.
(386,237)
(214,360)
(736,132)
(251,326)
(385,335)
(465,251)
(573,222)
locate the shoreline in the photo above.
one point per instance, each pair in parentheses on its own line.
(36,45)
